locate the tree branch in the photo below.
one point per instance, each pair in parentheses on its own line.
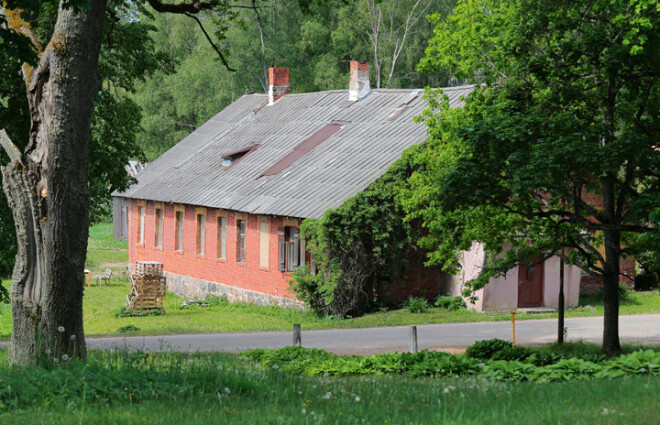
(208,37)
(193,7)
(9,147)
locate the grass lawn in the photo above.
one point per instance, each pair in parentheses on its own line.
(101,303)
(175,388)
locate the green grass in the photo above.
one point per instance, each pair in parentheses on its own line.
(170,388)
(101,303)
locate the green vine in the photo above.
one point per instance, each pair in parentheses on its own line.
(360,248)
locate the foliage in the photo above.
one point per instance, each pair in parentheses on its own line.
(4,295)
(316,45)
(416,304)
(117,378)
(556,148)
(521,364)
(450,303)
(485,349)
(213,388)
(360,248)
(214,300)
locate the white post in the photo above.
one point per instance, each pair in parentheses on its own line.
(413,339)
(297,339)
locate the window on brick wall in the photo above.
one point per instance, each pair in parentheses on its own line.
(159,228)
(201,233)
(291,248)
(178,231)
(222,238)
(140,231)
(264,241)
(240,240)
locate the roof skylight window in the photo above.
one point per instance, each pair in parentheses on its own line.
(233,158)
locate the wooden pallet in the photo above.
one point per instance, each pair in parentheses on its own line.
(144,268)
(147,287)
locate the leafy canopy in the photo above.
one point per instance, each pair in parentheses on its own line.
(556,145)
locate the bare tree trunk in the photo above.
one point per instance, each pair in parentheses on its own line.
(611,343)
(560,301)
(47,191)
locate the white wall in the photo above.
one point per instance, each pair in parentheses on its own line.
(501,293)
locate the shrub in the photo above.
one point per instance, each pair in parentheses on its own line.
(485,349)
(450,303)
(512,353)
(624,292)
(416,305)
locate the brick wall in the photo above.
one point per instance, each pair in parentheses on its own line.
(195,275)
(247,276)
(591,285)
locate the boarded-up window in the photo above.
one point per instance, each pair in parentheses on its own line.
(240,240)
(264,239)
(222,238)
(140,229)
(178,235)
(201,233)
(159,228)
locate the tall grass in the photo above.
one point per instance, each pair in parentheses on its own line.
(168,388)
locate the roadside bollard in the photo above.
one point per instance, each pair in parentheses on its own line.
(413,339)
(513,328)
(297,339)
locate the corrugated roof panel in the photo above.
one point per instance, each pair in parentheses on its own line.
(331,172)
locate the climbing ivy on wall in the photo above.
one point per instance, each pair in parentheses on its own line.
(359,248)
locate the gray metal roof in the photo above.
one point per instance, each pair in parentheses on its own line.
(373,136)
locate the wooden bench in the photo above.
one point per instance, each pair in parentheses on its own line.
(107,274)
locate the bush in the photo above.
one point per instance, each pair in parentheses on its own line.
(487,348)
(624,292)
(450,303)
(512,353)
(416,305)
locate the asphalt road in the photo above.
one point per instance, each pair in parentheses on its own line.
(641,329)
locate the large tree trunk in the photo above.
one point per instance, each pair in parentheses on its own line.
(47,191)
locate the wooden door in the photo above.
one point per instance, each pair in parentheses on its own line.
(530,285)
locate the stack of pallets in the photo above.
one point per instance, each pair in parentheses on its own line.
(148,286)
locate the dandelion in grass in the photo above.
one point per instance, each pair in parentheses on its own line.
(304,411)
(65,357)
(60,329)
(227,390)
(275,367)
(219,367)
(357,398)
(190,361)
(73,337)
(327,395)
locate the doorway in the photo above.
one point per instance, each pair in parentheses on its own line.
(530,284)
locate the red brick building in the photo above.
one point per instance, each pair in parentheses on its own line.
(222,208)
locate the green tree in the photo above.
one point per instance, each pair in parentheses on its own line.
(556,146)
(47,184)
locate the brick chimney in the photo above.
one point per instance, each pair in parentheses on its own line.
(358,87)
(278,84)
